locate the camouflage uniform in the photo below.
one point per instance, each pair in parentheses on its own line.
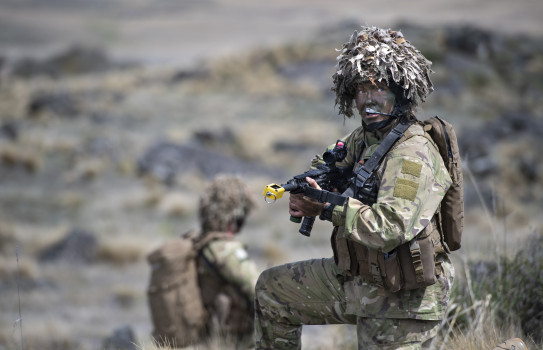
(323,291)
(227,278)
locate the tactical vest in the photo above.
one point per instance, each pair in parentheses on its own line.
(409,266)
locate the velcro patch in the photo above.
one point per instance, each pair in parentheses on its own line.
(406,189)
(411,168)
(241,254)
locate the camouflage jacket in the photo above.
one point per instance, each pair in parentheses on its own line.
(225,268)
(412,182)
(231,261)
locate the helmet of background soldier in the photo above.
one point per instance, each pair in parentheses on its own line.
(374,54)
(226,200)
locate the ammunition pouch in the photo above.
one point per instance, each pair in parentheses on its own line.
(411,265)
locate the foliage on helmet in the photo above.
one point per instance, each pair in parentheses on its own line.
(225,200)
(376,54)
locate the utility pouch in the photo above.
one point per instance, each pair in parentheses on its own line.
(417,262)
(392,276)
(384,270)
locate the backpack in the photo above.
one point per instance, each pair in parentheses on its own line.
(177,309)
(451,212)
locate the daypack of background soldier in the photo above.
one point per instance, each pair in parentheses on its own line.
(202,284)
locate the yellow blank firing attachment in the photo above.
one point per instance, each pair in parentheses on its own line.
(273,192)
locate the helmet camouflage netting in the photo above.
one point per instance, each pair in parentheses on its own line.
(376,54)
(225,200)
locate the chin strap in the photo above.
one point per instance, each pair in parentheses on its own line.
(381,124)
(399,111)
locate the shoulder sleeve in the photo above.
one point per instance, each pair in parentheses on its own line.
(233,264)
(413,181)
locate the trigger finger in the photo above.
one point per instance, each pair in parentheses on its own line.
(312,182)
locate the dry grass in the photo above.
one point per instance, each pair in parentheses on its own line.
(257,72)
(12,271)
(15,156)
(121,250)
(496,297)
(7,236)
(250,94)
(85,170)
(212,343)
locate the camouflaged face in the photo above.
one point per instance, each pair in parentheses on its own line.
(225,200)
(376,54)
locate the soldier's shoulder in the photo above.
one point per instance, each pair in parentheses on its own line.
(416,129)
(415,145)
(224,244)
(223,249)
(413,140)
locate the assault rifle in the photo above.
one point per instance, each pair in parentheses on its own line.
(328,176)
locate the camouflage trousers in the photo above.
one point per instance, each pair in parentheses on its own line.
(311,293)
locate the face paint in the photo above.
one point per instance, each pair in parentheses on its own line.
(375,102)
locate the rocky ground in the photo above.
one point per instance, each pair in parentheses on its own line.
(103,150)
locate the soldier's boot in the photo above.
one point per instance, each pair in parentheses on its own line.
(512,344)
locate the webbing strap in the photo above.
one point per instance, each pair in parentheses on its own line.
(324,196)
(373,162)
(375,271)
(414,249)
(447,140)
(201,241)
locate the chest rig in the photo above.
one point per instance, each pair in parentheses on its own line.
(409,266)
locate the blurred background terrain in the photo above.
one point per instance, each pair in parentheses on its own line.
(114,115)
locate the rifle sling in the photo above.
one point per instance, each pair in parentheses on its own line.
(324,196)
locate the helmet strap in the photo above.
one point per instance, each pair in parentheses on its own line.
(381,124)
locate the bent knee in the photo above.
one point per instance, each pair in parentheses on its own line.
(266,277)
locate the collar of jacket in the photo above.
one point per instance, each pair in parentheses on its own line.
(376,136)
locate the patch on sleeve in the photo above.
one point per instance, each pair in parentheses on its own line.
(241,254)
(411,168)
(406,189)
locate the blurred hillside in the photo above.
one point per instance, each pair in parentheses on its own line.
(102,159)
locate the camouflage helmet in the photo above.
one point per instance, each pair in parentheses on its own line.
(225,200)
(375,54)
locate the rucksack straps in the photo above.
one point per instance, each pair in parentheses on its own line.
(200,241)
(368,168)
(451,211)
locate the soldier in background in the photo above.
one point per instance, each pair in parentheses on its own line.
(227,276)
